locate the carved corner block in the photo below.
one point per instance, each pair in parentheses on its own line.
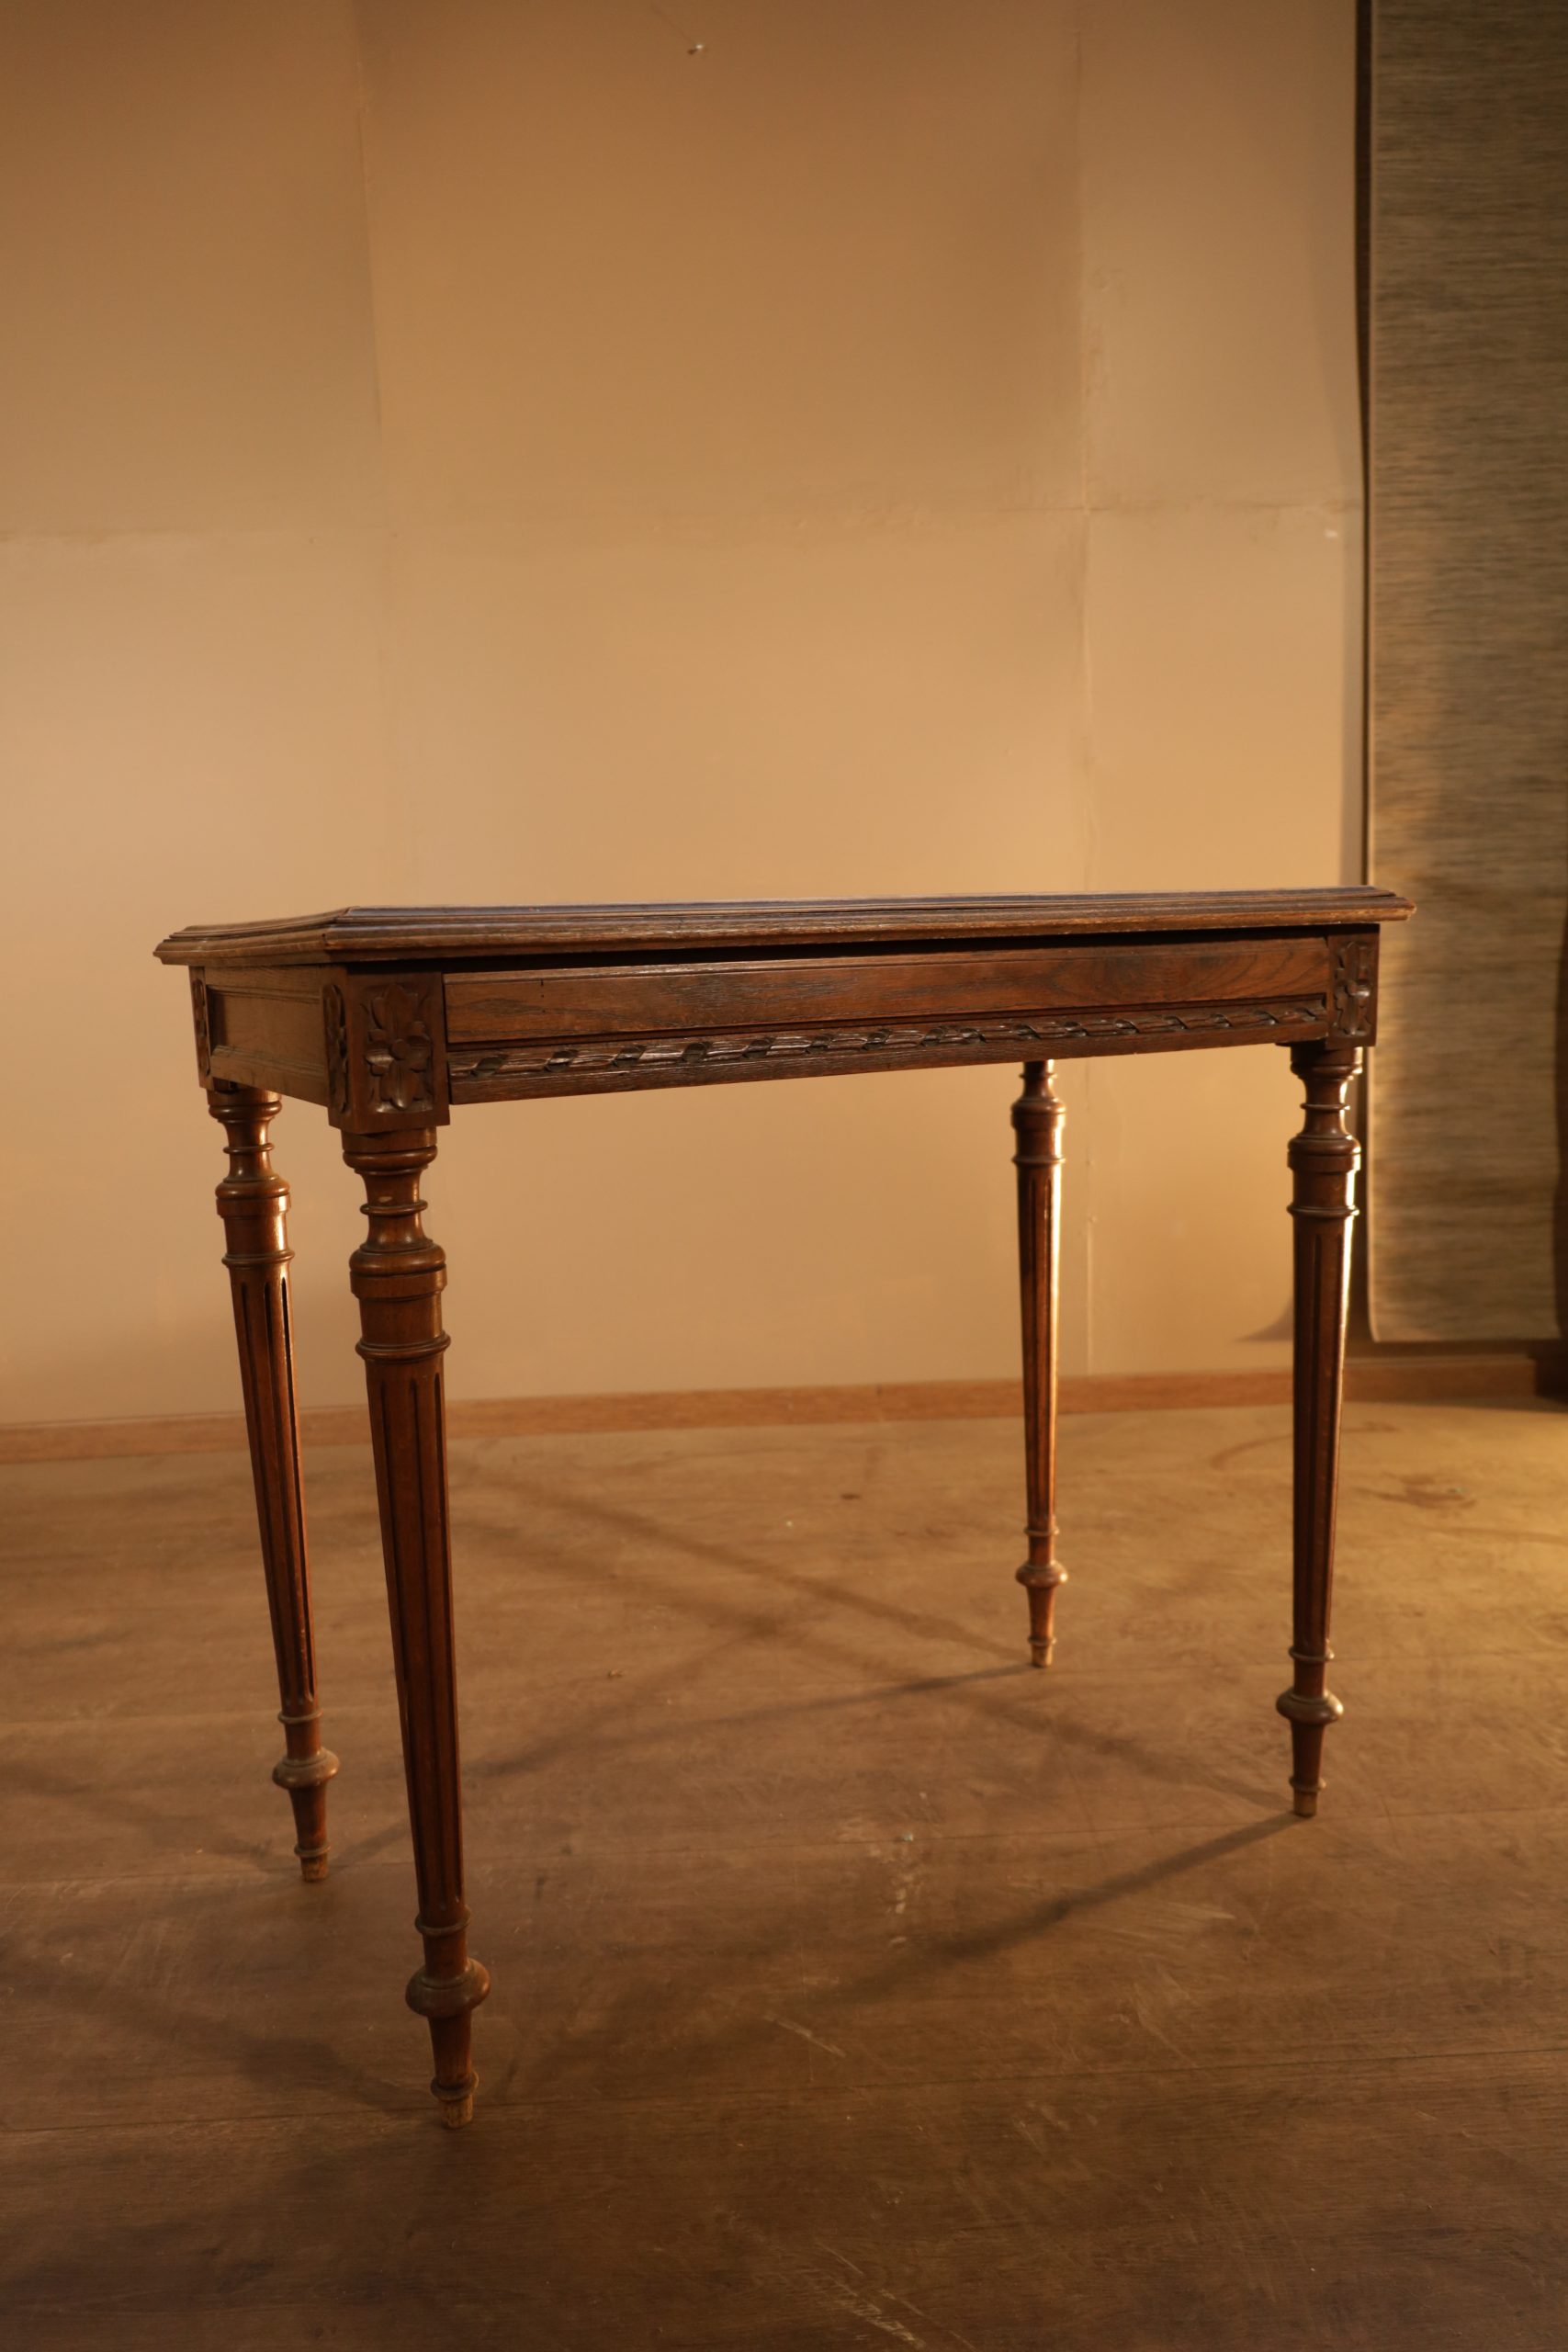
(203,1026)
(385,1050)
(1353,993)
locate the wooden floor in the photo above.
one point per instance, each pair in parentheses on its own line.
(855,1986)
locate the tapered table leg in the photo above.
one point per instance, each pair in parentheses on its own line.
(253,1202)
(1037,1118)
(397,1274)
(1323,1159)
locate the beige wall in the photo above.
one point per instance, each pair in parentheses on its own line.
(475,450)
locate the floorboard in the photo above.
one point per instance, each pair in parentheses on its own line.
(853,1985)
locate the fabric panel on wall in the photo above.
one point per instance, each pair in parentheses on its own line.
(1467,649)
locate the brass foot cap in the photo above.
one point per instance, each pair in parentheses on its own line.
(447,1996)
(457,2100)
(293,1772)
(1309,1707)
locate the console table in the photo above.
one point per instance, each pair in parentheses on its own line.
(389,1017)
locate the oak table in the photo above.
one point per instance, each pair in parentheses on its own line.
(390,1016)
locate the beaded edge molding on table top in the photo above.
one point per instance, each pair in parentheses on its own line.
(653,1053)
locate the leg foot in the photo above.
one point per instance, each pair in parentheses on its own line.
(1040,1580)
(1309,1714)
(449,2003)
(305,1779)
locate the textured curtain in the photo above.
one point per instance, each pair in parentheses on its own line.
(1467,647)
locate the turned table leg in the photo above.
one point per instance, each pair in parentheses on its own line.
(397,1274)
(252,1200)
(1037,1118)
(1323,1159)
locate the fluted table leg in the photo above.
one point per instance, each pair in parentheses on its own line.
(1037,1118)
(397,1275)
(252,1200)
(1323,1159)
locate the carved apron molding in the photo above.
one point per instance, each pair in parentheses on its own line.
(1043,1031)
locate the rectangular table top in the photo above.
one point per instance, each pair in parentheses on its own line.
(353,935)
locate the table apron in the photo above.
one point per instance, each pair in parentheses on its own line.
(508,1008)
(584,1031)
(391,1047)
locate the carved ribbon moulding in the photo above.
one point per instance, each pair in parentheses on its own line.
(1044,1030)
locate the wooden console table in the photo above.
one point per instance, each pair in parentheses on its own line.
(389,1017)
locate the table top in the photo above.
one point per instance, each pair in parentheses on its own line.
(353,935)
